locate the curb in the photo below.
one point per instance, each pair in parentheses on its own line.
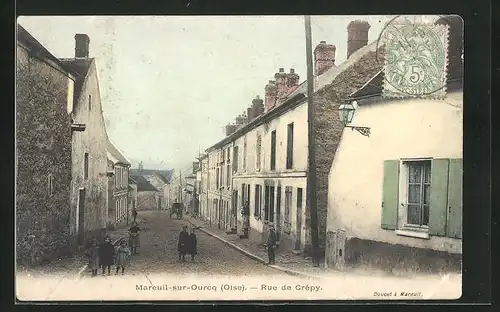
(251,255)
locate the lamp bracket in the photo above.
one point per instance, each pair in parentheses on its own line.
(363,130)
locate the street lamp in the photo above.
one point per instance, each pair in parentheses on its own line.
(346,113)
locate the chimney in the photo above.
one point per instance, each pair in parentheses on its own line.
(82,42)
(455,45)
(324,57)
(280,78)
(230,129)
(257,107)
(249,114)
(292,81)
(271,94)
(357,36)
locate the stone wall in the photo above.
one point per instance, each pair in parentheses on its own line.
(328,128)
(43,148)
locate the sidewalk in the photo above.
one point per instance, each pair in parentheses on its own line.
(286,262)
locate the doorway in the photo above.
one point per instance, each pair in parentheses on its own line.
(81,216)
(298,229)
(278,212)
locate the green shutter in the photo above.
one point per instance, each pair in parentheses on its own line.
(439,197)
(455,185)
(390,197)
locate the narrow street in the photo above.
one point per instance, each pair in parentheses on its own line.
(157,264)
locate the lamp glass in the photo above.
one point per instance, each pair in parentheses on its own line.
(346,113)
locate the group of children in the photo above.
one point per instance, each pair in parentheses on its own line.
(105,254)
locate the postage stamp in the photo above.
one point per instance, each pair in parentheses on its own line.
(136,180)
(416,59)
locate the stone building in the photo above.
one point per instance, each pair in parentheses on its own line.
(160,180)
(119,212)
(269,150)
(147,194)
(395,198)
(89,183)
(44,104)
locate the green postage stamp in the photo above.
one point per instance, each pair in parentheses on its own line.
(416,59)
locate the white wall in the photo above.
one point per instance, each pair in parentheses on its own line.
(399,129)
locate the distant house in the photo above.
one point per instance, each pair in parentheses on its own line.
(160,179)
(395,198)
(118,187)
(147,194)
(44,103)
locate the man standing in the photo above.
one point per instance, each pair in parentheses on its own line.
(271,244)
(182,245)
(134,215)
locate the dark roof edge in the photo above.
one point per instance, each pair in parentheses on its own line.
(30,41)
(279,110)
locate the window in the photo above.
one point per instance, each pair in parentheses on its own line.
(289,147)
(286,216)
(50,185)
(86,166)
(273,150)
(90,102)
(423,197)
(418,196)
(235,159)
(258,151)
(228,175)
(271,204)
(228,152)
(217,179)
(266,202)
(258,200)
(245,153)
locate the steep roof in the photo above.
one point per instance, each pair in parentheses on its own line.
(143,185)
(165,175)
(24,37)
(80,66)
(115,155)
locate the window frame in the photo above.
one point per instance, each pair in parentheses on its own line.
(273,151)
(289,145)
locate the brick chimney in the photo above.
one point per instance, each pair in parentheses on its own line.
(257,107)
(271,94)
(230,129)
(281,78)
(292,81)
(249,114)
(455,45)
(357,36)
(324,57)
(82,42)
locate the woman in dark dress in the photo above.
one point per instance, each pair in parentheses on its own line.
(134,238)
(106,255)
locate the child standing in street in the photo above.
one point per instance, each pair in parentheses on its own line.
(191,244)
(122,257)
(93,254)
(106,255)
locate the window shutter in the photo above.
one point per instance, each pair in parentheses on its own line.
(439,197)
(455,186)
(390,196)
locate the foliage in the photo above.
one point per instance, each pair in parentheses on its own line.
(43,148)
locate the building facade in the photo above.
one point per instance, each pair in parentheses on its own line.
(118,188)
(395,198)
(89,201)
(44,103)
(269,148)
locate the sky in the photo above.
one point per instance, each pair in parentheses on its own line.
(170,84)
